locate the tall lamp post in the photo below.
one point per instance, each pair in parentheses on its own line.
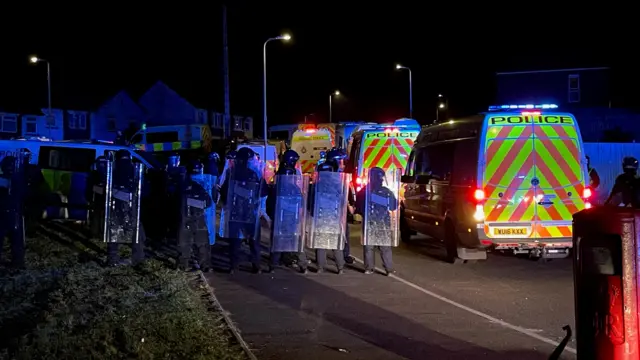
(400,67)
(441,106)
(335,93)
(35,60)
(285,37)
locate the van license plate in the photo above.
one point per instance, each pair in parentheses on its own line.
(510,231)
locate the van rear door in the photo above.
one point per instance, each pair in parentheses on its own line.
(507,171)
(558,175)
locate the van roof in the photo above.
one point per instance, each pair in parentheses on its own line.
(472,123)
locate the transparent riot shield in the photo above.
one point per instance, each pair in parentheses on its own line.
(380,219)
(97,216)
(122,205)
(328,217)
(208,183)
(290,214)
(241,211)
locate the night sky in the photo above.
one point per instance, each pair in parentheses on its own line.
(94,53)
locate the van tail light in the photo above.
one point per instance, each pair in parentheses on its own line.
(358,181)
(586,193)
(478,195)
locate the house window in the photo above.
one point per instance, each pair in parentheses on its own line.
(111,124)
(217,120)
(50,120)
(81,121)
(31,125)
(8,123)
(574,88)
(201,116)
(247,124)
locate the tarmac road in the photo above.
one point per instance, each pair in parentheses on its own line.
(503,308)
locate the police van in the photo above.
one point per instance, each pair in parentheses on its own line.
(65,166)
(309,143)
(386,146)
(509,179)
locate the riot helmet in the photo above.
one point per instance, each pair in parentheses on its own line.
(290,158)
(173,161)
(231,155)
(214,156)
(376,177)
(99,164)
(244,155)
(8,165)
(27,155)
(197,168)
(588,162)
(630,165)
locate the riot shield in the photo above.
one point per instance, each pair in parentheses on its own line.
(208,183)
(241,211)
(329,212)
(96,219)
(122,205)
(290,213)
(380,223)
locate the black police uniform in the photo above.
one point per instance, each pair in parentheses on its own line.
(382,216)
(287,167)
(627,184)
(123,174)
(241,172)
(175,183)
(95,194)
(12,190)
(194,232)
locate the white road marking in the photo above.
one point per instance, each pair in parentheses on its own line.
(521,330)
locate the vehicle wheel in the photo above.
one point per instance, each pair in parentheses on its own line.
(405,231)
(451,246)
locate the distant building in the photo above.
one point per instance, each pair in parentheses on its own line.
(585,92)
(160,105)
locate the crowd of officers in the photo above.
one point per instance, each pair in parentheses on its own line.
(182,203)
(179,204)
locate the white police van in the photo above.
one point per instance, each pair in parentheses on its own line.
(65,167)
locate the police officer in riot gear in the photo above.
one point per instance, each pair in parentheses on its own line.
(194,232)
(35,194)
(176,176)
(331,164)
(287,167)
(240,194)
(228,164)
(11,209)
(123,180)
(627,184)
(382,217)
(211,167)
(323,158)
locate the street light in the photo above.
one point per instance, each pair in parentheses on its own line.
(441,106)
(400,67)
(285,37)
(34,60)
(335,93)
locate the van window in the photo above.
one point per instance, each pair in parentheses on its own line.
(162,137)
(422,165)
(441,156)
(136,139)
(465,163)
(66,159)
(409,171)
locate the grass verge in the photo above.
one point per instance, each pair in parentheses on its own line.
(65,305)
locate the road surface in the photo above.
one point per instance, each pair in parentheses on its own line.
(503,308)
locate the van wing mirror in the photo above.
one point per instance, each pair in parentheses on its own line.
(407,179)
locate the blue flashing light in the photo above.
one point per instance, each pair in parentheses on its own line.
(521,107)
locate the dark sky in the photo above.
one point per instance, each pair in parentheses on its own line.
(454,50)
